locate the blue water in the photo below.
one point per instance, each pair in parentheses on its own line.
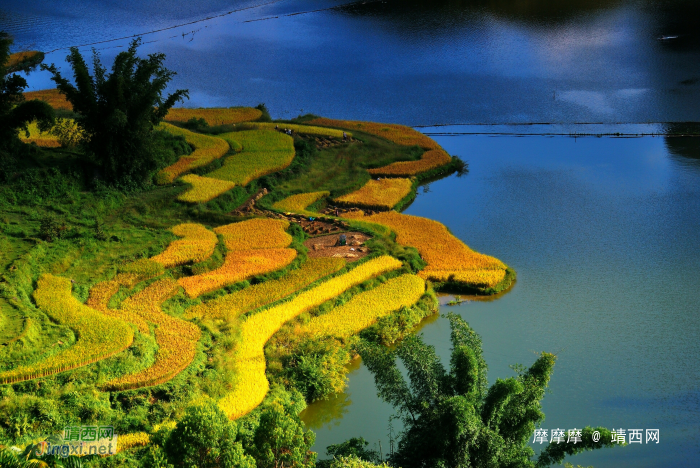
(605,236)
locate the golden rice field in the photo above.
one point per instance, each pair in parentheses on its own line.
(101,293)
(137,439)
(428,161)
(445,254)
(384,193)
(97,336)
(233,305)
(259,328)
(142,269)
(147,302)
(399,134)
(264,152)
(364,309)
(197,244)
(203,189)
(206,149)
(43,139)
(302,129)
(258,233)
(52,97)
(175,353)
(23,58)
(214,116)
(238,266)
(298,203)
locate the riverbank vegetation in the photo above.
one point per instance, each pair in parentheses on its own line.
(168,291)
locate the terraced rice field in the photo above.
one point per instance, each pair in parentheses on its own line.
(264,152)
(36,136)
(214,116)
(52,97)
(203,189)
(259,328)
(364,309)
(97,336)
(302,129)
(235,304)
(206,149)
(381,194)
(197,244)
(448,258)
(299,203)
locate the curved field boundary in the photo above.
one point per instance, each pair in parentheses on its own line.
(203,189)
(52,97)
(197,244)
(379,194)
(299,203)
(364,309)
(431,159)
(206,149)
(98,336)
(238,265)
(258,233)
(235,304)
(399,134)
(176,338)
(302,129)
(434,156)
(264,152)
(259,328)
(101,293)
(12,324)
(448,258)
(214,116)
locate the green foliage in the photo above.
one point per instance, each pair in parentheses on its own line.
(118,111)
(280,440)
(51,228)
(450,416)
(205,438)
(317,368)
(155,458)
(351,451)
(354,462)
(265,117)
(390,329)
(197,125)
(15,112)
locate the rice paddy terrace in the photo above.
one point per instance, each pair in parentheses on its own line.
(176,300)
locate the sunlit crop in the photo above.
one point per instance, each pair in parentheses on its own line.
(238,265)
(298,203)
(101,293)
(364,309)
(36,136)
(234,304)
(258,233)
(97,336)
(203,188)
(52,97)
(197,244)
(384,193)
(176,338)
(429,160)
(137,439)
(445,254)
(476,278)
(257,330)
(302,129)
(264,152)
(214,116)
(206,149)
(398,134)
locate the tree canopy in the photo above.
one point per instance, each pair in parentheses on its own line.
(119,110)
(453,419)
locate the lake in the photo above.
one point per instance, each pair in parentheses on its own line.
(603,232)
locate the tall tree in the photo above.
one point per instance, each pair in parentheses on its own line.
(119,110)
(15,112)
(453,419)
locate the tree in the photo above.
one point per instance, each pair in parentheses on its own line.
(351,451)
(118,111)
(205,438)
(15,112)
(280,440)
(452,419)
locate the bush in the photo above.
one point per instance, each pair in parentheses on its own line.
(317,368)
